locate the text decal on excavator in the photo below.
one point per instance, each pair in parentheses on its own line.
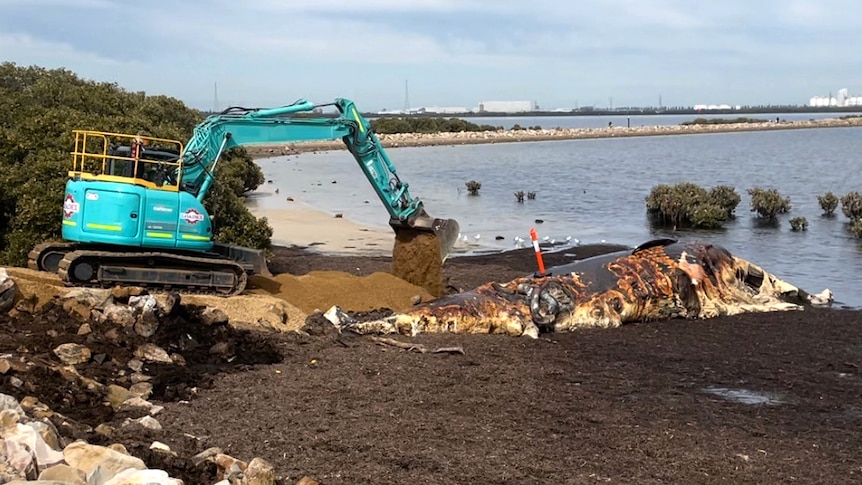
(192,216)
(70,206)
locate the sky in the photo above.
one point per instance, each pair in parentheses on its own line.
(558,53)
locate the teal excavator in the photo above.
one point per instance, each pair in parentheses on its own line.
(133,212)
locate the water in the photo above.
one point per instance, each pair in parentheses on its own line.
(594,190)
(598,121)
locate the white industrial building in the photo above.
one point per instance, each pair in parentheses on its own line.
(506,106)
(443,109)
(710,107)
(841,99)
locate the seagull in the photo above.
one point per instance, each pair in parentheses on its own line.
(552,241)
(568,238)
(577,241)
(546,238)
(476,237)
(603,241)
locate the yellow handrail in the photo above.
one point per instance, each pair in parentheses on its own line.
(83,153)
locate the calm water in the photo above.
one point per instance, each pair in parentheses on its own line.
(640,120)
(594,190)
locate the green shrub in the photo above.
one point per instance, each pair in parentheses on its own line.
(856,228)
(799,224)
(426,124)
(689,205)
(473,187)
(39,108)
(851,205)
(722,121)
(768,203)
(828,203)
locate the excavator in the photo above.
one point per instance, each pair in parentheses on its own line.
(133,212)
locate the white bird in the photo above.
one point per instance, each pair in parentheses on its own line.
(552,241)
(568,238)
(546,238)
(577,241)
(603,241)
(477,237)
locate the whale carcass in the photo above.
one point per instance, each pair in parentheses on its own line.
(658,280)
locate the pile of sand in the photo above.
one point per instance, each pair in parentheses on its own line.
(320,290)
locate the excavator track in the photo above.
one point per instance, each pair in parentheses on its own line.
(152,270)
(47,256)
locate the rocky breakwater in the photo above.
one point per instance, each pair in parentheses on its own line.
(82,375)
(524,135)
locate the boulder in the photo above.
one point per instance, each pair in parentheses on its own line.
(8,291)
(94,460)
(72,354)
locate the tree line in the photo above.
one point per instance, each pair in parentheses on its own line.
(40,107)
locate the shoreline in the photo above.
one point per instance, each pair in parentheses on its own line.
(553,134)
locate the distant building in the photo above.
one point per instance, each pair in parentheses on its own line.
(842,99)
(710,107)
(444,109)
(506,106)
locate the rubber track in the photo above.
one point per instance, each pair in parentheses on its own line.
(39,249)
(106,256)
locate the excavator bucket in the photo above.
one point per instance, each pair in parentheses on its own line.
(444,231)
(422,244)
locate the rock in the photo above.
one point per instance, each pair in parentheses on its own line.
(104,430)
(153,353)
(9,402)
(161,447)
(119,447)
(136,365)
(141,390)
(93,459)
(76,308)
(221,349)
(16,382)
(117,395)
(146,325)
(178,359)
(149,422)
(48,433)
(259,472)
(136,404)
(138,377)
(5,366)
(15,461)
(84,329)
(63,473)
(41,455)
(120,294)
(119,314)
(8,291)
(212,317)
(169,303)
(417,299)
(229,467)
(307,481)
(72,354)
(207,454)
(143,477)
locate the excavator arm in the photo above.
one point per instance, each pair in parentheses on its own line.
(236,127)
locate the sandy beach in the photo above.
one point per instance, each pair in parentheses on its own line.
(299,224)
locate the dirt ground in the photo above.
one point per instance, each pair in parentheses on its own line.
(769,398)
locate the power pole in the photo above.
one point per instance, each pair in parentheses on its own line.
(215,97)
(406,98)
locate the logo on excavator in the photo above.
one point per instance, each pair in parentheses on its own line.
(69,206)
(192,216)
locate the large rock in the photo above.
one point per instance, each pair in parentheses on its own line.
(100,461)
(8,291)
(72,354)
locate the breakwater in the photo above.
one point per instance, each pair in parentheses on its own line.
(527,135)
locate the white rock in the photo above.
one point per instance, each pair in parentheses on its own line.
(143,477)
(63,473)
(159,446)
(99,460)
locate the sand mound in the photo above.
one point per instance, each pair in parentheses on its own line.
(319,290)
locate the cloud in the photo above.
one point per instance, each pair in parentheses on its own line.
(453,51)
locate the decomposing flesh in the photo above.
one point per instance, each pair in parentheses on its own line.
(660,279)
